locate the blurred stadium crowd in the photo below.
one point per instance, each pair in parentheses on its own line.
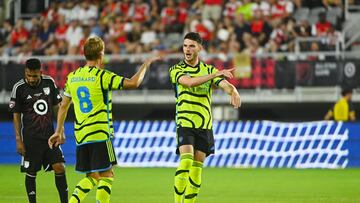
(140,26)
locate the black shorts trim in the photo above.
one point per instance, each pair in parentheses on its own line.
(95,157)
(39,155)
(200,139)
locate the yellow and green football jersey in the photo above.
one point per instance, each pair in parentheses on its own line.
(90,90)
(193,105)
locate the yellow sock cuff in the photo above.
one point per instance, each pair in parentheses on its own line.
(186,156)
(198,164)
(92,180)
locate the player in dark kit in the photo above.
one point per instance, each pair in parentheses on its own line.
(34,101)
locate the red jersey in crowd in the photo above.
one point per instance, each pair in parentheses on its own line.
(141,12)
(18,35)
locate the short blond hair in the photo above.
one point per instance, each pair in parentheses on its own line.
(93,47)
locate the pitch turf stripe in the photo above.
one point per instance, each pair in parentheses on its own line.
(106,188)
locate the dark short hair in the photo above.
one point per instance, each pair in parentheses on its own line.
(194,36)
(346,91)
(33,64)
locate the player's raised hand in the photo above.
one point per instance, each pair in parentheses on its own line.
(154,58)
(226,73)
(235,99)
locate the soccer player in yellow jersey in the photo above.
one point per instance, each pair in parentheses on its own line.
(89,88)
(343,110)
(193,81)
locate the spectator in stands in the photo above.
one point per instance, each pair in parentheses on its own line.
(259,28)
(183,9)
(74,34)
(343,110)
(96,29)
(110,9)
(303,29)
(46,34)
(264,6)
(5,31)
(210,9)
(252,45)
(282,37)
(240,28)
(313,4)
(332,4)
(230,8)
(322,26)
(280,10)
(86,12)
(169,16)
(19,35)
(140,11)
(246,9)
(60,30)
(134,37)
(333,38)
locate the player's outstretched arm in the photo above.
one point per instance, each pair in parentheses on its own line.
(328,115)
(20,147)
(138,77)
(235,99)
(58,137)
(195,81)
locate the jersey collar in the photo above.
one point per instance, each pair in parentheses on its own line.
(196,66)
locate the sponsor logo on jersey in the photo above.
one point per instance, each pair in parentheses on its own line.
(46,90)
(11,104)
(29,97)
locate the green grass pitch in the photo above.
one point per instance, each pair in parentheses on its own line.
(220,185)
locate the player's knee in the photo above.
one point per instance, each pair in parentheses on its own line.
(109,173)
(59,168)
(199,156)
(94,175)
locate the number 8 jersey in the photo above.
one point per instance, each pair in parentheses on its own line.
(90,89)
